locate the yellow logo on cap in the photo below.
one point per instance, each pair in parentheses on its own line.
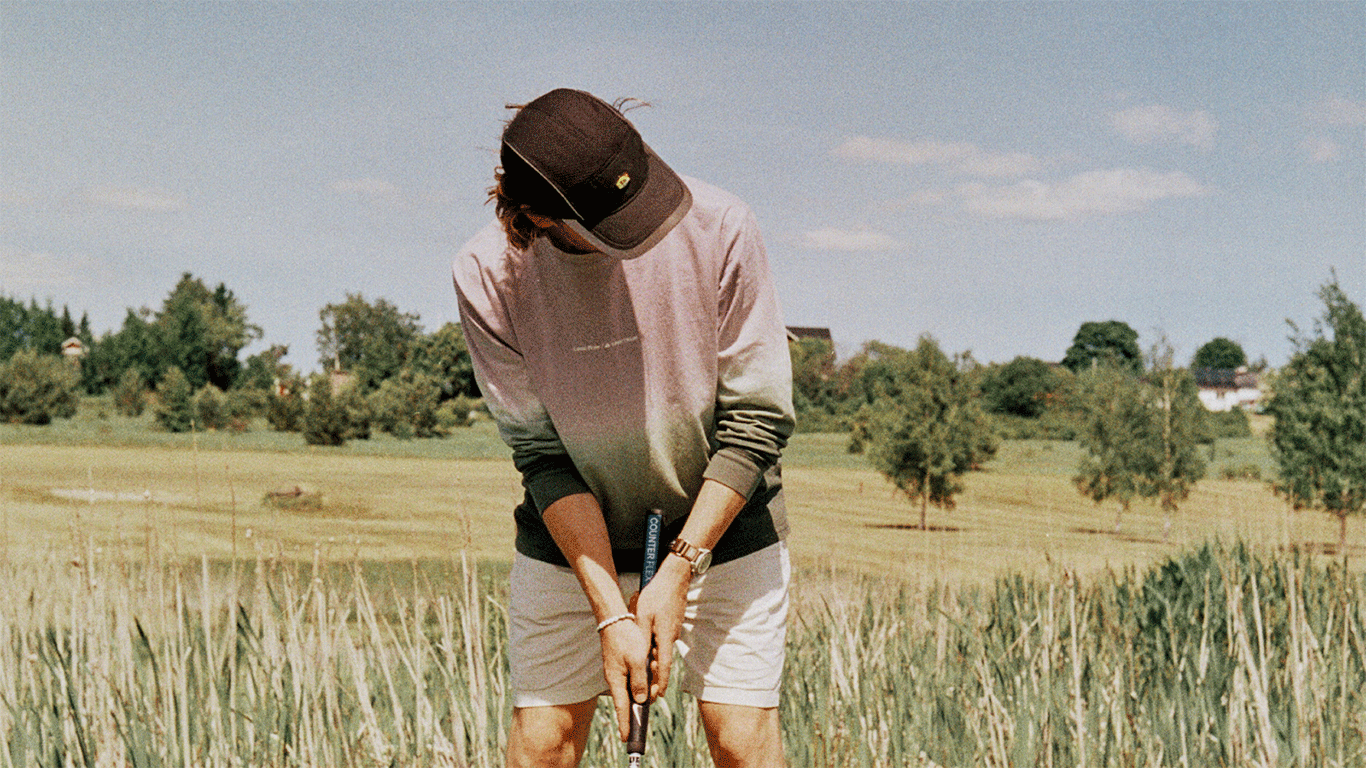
(623,180)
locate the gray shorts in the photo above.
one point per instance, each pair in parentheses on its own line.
(731,645)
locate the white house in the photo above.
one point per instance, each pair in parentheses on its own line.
(1223,389)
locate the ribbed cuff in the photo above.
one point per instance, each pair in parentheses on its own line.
(549,479)
(734,469)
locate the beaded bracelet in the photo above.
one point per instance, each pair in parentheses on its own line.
(613,620)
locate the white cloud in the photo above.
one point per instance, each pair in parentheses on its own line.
(24,271)
(1156,123)
(1115,191)
(831,239)
(963,157)
(1321,149)
(140,199)
(1336,110)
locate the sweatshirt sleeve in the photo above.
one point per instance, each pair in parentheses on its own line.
(754,414)
(548,473)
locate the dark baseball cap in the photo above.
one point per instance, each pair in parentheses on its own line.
(571,156)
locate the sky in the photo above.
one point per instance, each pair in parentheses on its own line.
(990,174)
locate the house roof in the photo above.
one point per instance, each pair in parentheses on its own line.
(1225,378)
(796,332)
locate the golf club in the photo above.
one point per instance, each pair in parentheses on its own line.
(640,713)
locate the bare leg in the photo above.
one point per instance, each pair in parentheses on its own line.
(549,736)
(743,737)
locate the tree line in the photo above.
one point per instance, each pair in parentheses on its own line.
(184,360)
(924,418)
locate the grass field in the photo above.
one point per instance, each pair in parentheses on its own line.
(158,610)
(130,489)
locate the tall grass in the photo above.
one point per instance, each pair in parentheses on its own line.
(1216,658)
(1219,657)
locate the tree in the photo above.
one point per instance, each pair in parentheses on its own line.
(406,405)
(130,394)
(813,383)
(263,369)
(444,356)
(285,407)
(1179,419)
(1318,401)
(325,421)
(210,408)
(1021,387)
(36,388)
(175,402)
(202,332)
(1116,435)
(371,341)
(1219,352)
(134,346)
(34,328)
(927,428)
(1104,343)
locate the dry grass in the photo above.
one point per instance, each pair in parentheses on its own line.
(1022,630)
(1020,516)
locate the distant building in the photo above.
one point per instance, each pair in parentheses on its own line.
(799,332)
(1223,389)
(73,349)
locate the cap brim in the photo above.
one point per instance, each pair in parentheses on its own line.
(642,223)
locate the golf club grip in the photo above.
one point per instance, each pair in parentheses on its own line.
(640,713)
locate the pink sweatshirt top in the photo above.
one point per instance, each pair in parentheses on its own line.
(635,380)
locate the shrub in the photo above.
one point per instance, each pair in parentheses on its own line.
(211,408)
(455,412)
(406,405)
(325,421)
(175,401)
(35,389)
(1241,472)
(243,405)
(359,412)
(130,394)
(1232,423)
(285,410)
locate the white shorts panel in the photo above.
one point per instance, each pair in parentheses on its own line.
(731,645)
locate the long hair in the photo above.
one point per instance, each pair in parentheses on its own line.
(511,213)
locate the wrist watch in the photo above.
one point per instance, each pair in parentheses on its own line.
(699,559)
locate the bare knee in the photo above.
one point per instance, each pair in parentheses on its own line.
(743,737)
(549,736)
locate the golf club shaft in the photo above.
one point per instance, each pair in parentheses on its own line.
(640,713)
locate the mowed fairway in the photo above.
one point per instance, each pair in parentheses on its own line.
(1021,515)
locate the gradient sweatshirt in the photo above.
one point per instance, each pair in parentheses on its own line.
(636,380)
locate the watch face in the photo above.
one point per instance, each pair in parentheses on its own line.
(702,563)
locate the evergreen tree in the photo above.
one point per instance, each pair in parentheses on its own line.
(285,407)
(325,421)
(35,388)
(406,406)
(130,394)
(175,402)
(210,408)
(202,331)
